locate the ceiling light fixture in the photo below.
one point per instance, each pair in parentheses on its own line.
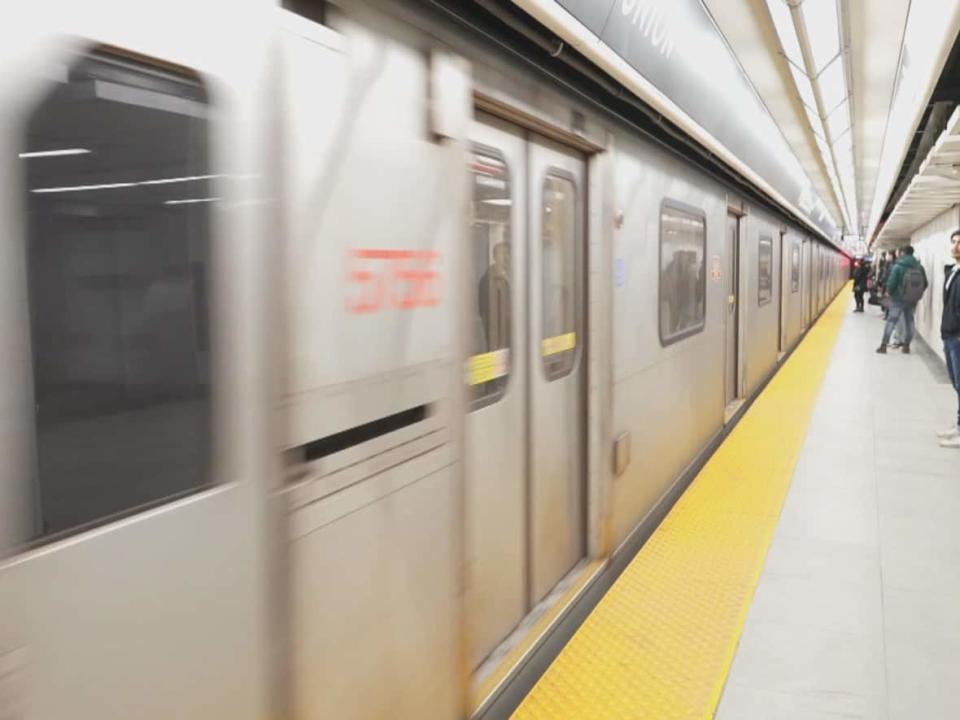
(803,87)
(813,27)
(822,22)
(786,31)
(833,85)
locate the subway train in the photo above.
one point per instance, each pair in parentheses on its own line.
(348,352)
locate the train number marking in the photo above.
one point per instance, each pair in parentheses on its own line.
(383,279)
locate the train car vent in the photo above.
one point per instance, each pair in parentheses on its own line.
(331,444)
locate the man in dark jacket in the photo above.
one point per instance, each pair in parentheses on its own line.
(900,305)
(860,275)
(493,299)
(950,332)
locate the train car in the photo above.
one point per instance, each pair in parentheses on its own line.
(350,351)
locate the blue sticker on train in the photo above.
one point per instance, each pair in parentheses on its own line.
(619,272)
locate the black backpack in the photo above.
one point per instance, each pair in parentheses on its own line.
(912,285)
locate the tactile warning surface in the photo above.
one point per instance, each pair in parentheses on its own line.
(660,643)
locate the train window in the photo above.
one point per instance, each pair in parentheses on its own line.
(118,194)
(765,273)
(795,268)
(489,365)
(683,279)
(559,291)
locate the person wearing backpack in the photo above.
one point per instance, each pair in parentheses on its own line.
(950,332)
(905,286)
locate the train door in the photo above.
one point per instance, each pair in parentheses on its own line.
(732,316)
(821,279)
(786,254)
(555,372)
(525,482)
(805,289)
(496,424)
(815,272)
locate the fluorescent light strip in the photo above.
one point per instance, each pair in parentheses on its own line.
(783,22)
(822,23)
(107,186)
(54,153)
(839,121)
(844,144)
(188,178)
(824,90)
(815,124)
(804,87)
(79,188)
(188,201)
(833,85)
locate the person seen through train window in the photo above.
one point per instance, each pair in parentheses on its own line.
(494,298)
(950,333)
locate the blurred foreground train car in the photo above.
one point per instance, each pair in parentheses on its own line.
(345,356)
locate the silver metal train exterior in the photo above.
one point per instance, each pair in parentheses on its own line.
(264,454)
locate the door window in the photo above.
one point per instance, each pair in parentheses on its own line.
(560,236)
(765,271)
(488,368)
(795,268)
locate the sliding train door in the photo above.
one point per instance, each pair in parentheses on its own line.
(525,429)
(556,363)
(731,318)
(496,424)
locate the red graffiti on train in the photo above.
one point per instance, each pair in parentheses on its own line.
(382,279)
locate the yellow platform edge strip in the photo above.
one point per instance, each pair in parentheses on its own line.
(660,644)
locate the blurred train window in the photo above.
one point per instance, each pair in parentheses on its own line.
(683,279)
(118,196)
(765,273)
(559,223)
(489,365)
(795,268)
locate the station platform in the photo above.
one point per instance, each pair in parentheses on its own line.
(812,568)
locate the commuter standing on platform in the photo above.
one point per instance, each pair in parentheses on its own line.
(883,274)
(950,332)
(906,284)
(860,275)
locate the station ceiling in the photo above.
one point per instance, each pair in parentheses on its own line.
(892,54)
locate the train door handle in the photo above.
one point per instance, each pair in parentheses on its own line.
(731,301)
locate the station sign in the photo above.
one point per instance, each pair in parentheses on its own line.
(676,46)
